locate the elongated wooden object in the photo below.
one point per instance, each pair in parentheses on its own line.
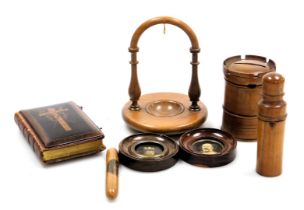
(271,125)
(112,173)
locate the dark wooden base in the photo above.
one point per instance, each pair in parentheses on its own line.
(221,148)
(148,152)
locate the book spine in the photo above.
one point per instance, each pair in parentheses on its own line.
(29,134)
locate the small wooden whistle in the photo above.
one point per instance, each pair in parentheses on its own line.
(271,124)
(112,165)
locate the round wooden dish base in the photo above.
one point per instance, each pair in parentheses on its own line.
(207,147)
(148,152)
(164,113)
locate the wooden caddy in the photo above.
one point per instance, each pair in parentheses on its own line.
(271,126)
(169,113)
(243,89)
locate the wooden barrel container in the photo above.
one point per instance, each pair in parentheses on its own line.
(243,76)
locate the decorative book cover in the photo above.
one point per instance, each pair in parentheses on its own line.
(60,132)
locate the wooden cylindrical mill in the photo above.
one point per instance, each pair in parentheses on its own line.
(243,78)
(271,124)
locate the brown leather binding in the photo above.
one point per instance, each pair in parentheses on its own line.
(55,136)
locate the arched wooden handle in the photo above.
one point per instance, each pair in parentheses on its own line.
(134,88)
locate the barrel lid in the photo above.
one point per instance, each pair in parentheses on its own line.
(247,70)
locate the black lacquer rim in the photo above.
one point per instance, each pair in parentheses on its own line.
(164,137)
(227,153)
(152,164)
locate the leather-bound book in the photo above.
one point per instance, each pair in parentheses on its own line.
(60,132)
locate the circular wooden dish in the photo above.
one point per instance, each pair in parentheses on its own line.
(164,113)
(148,152)
(207,147)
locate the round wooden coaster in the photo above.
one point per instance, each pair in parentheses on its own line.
(148,152)
(207,147)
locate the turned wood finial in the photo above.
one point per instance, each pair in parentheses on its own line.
(273,85)
(272,107)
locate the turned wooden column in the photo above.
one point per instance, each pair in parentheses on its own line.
(271,125)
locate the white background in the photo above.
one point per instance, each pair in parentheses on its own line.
(57,51)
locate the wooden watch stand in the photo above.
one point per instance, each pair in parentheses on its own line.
(169,113)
